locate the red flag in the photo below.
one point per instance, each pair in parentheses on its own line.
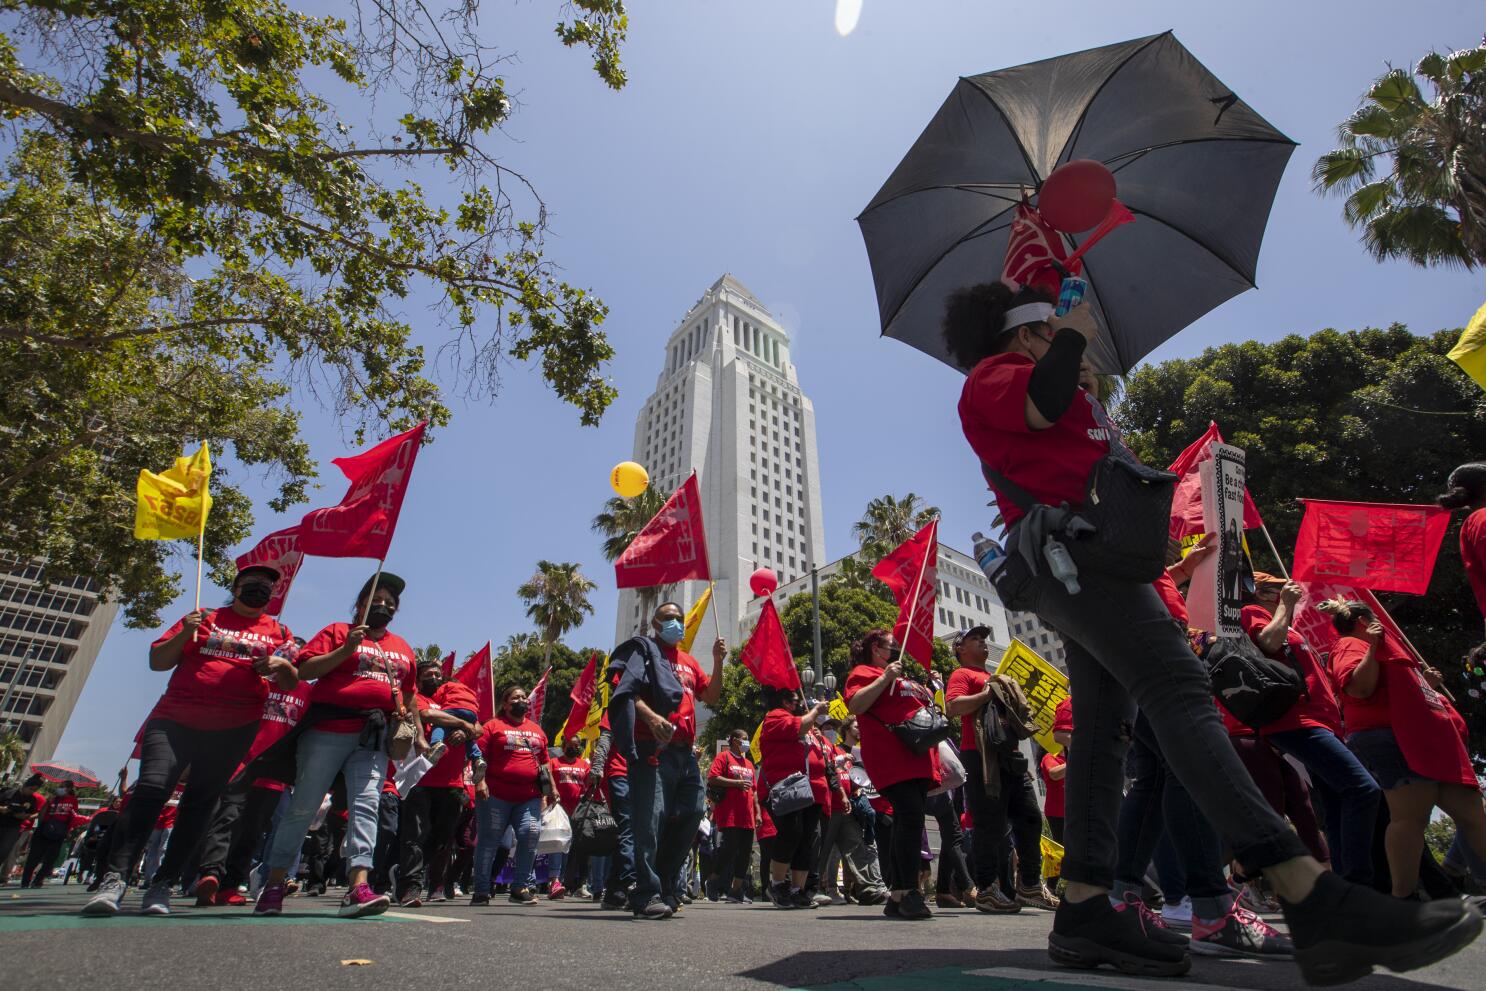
(280,551)
(1032,250)
(912,572)
(582,696)
(766,654)
(476,674)
(1382,546)
(672,547)
(362,524)
(1186,501)
(538,698)
(447,668)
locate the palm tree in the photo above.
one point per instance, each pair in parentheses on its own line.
(888,522)
(620,522)
(1430,206)
(430,652)
(12,754)
(557,599)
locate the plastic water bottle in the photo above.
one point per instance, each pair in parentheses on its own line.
(1061,564)
(1070,294)
(988,554)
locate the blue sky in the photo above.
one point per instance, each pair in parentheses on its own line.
(749,137)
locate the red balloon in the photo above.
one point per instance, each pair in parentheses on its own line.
(763,582)
(1076,196)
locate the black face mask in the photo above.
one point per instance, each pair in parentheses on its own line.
(379,615)
(255,595)
(518,709)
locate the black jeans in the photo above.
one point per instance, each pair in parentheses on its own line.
(903,853)
(736,855)
(1124,650)
(40,859)
(384,854)
(166,749)
(426,830)
(236,832)
(1016,805)
(795,842)
(10,835)
(954,875)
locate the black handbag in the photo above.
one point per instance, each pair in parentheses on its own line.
(922,731)
(595,831)
(1256,689)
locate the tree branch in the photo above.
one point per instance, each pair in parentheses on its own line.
(91,343)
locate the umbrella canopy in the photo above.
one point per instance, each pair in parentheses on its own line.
(80,776)
(1194,163)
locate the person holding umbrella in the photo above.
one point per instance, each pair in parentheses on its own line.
(1039,438)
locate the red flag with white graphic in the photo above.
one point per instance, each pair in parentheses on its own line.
(1034,251)
(280,551)
(476,674)
(363,522)
(582,698)
(1186,501)
(672,547)
(912,572)
(766,655)
(447,668)
(538,698)
(1388,547)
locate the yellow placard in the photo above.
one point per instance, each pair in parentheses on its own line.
(1044,685)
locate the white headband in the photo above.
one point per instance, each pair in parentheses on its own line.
(1027,313)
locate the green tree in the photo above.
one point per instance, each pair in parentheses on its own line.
(888,521)
(1413,168)
(556,599)
(12,755)
(1372,415)
(620,521)
(524,661)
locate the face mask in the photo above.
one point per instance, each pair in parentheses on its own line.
(518,709)
(672,630)
(255,595)
(379,616)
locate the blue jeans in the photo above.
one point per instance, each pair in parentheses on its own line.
(598,873)
(494,815)
(321,756)
(555,864)
(1348,792)
(620,872)
(667,800)
(472,748)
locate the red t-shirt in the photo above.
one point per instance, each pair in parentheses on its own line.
(886,759)
(166,818)
(765,824)
(1473,554)
(281,711)
(571,775)
(1317,707)
(784,753)
(364,681)
(735,809)
(63,807)
(1063,716)
(843,761)
(456,695)
(1359,713)
(966,681)
(214,686)
(1171,597)
(1052,465)
(693,680)
(1053,804)
(513,753)
(449,771)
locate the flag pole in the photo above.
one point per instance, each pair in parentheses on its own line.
(200,544)
(1270,541)
(716,618)
(372,592)
(913,603)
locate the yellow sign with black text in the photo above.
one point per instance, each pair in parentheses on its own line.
(1044,685)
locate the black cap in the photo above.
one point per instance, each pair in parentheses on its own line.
(386,580)
(271,572)
(974,631)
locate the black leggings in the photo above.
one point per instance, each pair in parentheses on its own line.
(166,749)
(796,839)
(736,855)
(905,844)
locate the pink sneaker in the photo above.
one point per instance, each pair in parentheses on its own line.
(362,900)
(270,900)
(1240,933)
(1153,925)
(556,892)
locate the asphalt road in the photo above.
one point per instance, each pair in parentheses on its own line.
(44,944)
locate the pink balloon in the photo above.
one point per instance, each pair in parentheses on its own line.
(1076,196)
(763,582)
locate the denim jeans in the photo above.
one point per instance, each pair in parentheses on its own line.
(1124,650)
(321,756)
(667,800)
(556,863)
(1348,792)
(525,819)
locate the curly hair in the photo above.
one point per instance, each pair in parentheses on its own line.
(973,317)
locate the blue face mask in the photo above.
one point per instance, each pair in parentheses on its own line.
(672,630)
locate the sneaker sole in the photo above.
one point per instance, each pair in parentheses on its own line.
(997,910)
(1203,948)
(266,912)
(362,911)
(1083,954)
(1335,962)
(155,910)
(101,909)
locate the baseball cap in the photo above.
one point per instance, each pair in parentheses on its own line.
(974,631)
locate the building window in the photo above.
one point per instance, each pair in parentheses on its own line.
(941,615)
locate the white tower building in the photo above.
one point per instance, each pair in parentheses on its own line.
(728,405)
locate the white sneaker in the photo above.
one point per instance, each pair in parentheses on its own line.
(156,900)
(110,893)
(1178,915)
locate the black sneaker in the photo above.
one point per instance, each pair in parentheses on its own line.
(780,896)
(480,898)
(1341,931)
(1094,932)
(522,896)
(801,899)
(615,899)
(890,909)
(655,909)
(914,907)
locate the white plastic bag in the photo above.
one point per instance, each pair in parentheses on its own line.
(410,772)
(951,771)
(557,831)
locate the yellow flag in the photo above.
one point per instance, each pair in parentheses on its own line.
(694,618)
(1052,857)
(1470,351)
(838,710)
(753,747)
(175,502)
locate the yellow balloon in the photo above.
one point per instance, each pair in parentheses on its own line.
(629,479)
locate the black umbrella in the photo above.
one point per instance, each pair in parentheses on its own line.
(1194,163)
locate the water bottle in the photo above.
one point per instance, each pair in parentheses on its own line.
(1061,564)
(1070,294)
(988,554)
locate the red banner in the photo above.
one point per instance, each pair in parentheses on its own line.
(538,698)
(672,547)
(476,674)
(912,572)
(582,696)
(1186,501)
(363,523)
(280,551)
(1382,546)
(766,655)
(447,668)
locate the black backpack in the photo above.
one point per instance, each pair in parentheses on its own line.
(1256,689)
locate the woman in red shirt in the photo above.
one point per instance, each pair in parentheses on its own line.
(220,662)
(732,773)
(1406,733)
(570,777)
(878,692)
(516,790)
(1029,424)
(785,748)
(1466,489)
